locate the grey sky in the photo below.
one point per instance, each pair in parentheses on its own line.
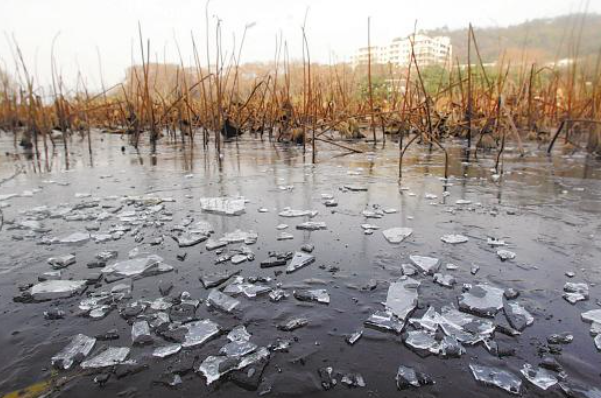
(335,27)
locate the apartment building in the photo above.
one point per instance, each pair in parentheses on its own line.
(428,51)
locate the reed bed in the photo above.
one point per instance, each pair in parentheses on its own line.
(219,98)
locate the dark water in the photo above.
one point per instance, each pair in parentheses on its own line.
(546,208)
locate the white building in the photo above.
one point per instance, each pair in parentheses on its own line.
(428,51)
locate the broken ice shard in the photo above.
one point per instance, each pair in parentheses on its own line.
(430,320)
(297,213)
(353,338)
(213,367)
(312,226)
(75,238)
(396,235)
(215,279)
(319,295)
(327,379)
(54,289)
(293,324)
(137,267)
(222,301)
(140,333)
(483,300)
(109,357)
(239,236)
(167,350)
(542,378)
(250,290)
(62,261)
(505,255)
(407,377)
(497,378)
(227,206)
(299,261)
(239,333)
(402,297)
(75,351)
(519,318)
(353,380)
(445,280)
(277,295)
(238,348)
(408,269)
(450,347)
(454,239)
(575,292)
(284,236)
(198,332)
(495,242)
(386,321)
(428,265)
(189,239)
(355,188)
(464,327)
(422,342)
(591,316)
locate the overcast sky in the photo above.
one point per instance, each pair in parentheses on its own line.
(334,27)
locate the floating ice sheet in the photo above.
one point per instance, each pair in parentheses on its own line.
(239,333)
(222,301)
(386,321)
(445,280)
(540,377)
(140,333)
(75,238)
(62,261)
(428,265)
(297,213)
(591,316)
(422,342)
(79,348)
(109,357)
(238,348)
(167,350)
(300,260)
(517,316)
(397,235)
(239,236)
(575,292)
(215,279)
(483,300)
(227,206)
(497,378)
(454,239)
(407,377)
(312,226)
(402,297)
(505,255)
(55,289)
(464,327)
(188,239)
(293,324)
(137,267)
(198,332)
(319,295)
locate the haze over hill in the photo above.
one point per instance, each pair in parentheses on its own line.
(544,40)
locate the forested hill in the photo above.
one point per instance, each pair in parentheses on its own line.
(544,39)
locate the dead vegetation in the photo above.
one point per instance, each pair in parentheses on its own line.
(303,102)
